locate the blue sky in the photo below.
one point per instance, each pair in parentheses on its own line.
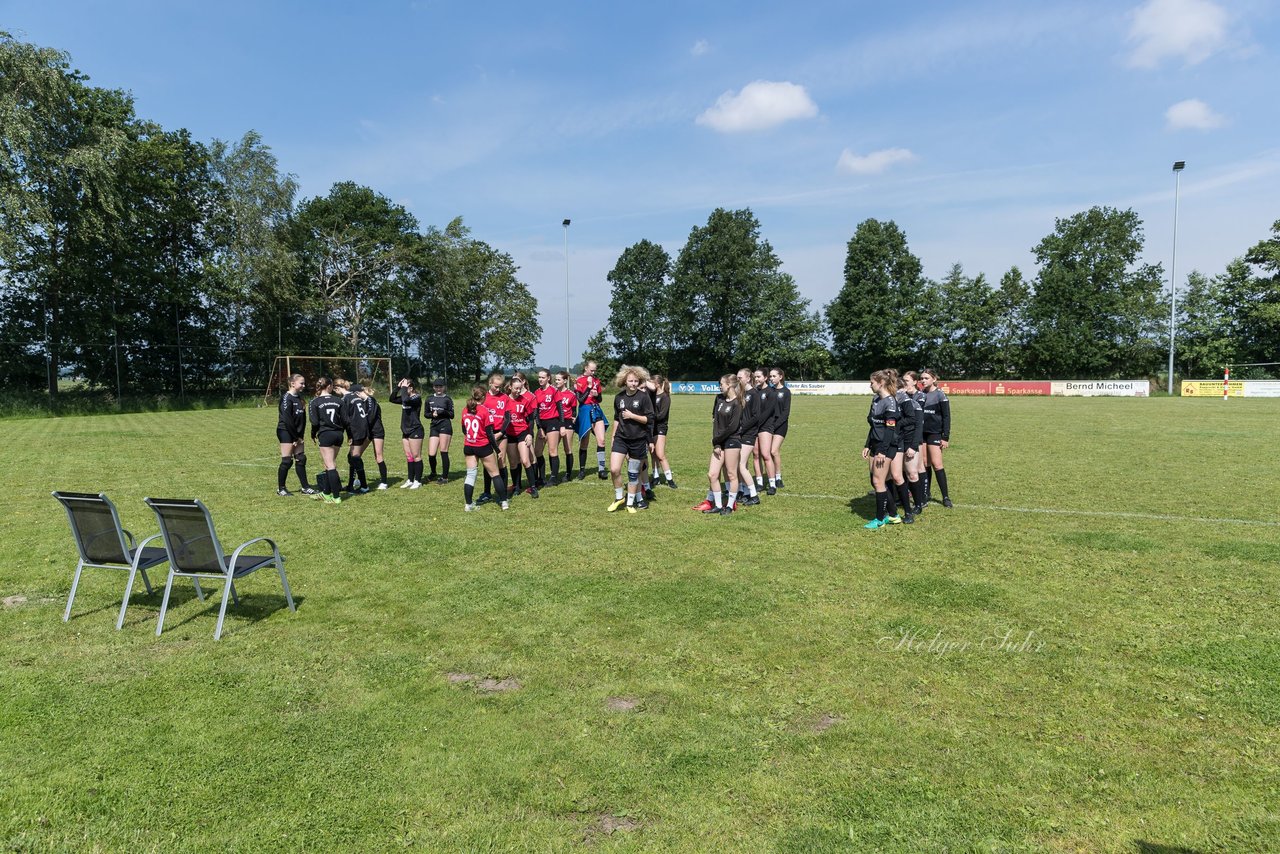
(972,125)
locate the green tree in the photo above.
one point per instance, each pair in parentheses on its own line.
(351,246)
(1095,312)
(1257,306)
(881,315)
(600,349)
(783,332)
(1205,342)
(1011,330)
(639,309)
(58,191)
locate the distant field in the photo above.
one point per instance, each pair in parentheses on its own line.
(1084,654)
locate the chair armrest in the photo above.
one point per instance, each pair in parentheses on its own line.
(274,549)
(129,534)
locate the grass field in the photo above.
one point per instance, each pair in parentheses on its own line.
(1084,654)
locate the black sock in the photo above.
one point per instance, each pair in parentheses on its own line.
(469,492)
(488,484)
(444,464)
(364,478)
(335,482)
(382,471)
(417,470)
(582,458)
(282,473)
(542,467)
(882,503)
(501,482)
(351,471)
(928,483)
(892,502)
(914,486)
(904,497)
(555,468)
(433,466)
(529,470)
(942,482)
(568,464)
(300,466)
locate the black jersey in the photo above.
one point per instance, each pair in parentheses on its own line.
(937,413)
(882,438)
(376,430)
(326,415)
(752,409)
(781,413)
(410,408)
(356,411)
(440,408)
(910,420)
(661,408)
(293,415)
(766,402)
(638,404)
(726,420)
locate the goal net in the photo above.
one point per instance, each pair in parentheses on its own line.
(370,371)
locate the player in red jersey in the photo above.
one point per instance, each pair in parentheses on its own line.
(479,444)
(520,441)
(498,405)
(544,397)
(591,419)
(567,405)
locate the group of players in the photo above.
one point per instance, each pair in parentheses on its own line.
(910,422)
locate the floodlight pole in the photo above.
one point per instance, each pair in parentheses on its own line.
(568,359)
(1178,166)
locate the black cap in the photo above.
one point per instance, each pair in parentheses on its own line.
(438,383)
(357,387)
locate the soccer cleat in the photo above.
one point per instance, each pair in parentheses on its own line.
(649,495)
(362,489)
(283,492)
(602,473)
(672,484)
(506,505)
(555,481)
(485,498)
(946,502)
(779,483)
(641,504)
(713,509)
(406,483)
(908,519)
(533,491)
(704,506)
(417,484)
(306,490)
(893,520)
(631,508)
(771,491)
(726,510)
(873,525)
(917,510)
(750,501)
(468,507)
(383,486)
(582,474)
(616,504)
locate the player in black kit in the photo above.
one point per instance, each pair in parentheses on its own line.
(411,431)
(633,410)
(440,407)
(750,429)
(291,431)
(357,415)
(882,442)
(377,434)
(937,433)
(327,426)
(661,417)
(726,446)
(779,416)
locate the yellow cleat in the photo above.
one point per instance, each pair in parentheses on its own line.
(615,505)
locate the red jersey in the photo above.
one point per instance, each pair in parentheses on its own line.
(521,409)
(590,385)
(546,400)
(499,406)
(568,404)
(473,428)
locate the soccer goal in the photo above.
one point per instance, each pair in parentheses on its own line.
(369,371)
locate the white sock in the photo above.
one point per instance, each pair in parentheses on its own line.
(733,499)
(668,474)
(773,481)
(631,498)
(600,459)
(759,480)
(617,493)
(718,504)
(751,487)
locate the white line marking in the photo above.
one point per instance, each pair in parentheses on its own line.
(1050,511)
(251,464)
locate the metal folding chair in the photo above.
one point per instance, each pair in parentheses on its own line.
(195,552)
(104,544)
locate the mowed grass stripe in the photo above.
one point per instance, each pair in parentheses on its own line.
(798,683)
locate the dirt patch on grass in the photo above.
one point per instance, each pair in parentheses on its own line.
(622,704)
(455,678)
(14,601)
(822,723)
(604,824)
(483,684)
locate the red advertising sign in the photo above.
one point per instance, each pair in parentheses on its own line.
(965,387)
(1015,388)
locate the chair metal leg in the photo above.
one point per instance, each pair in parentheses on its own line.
(199,592)
(222,610)
(146,581)
(128,591)
(234,597)
(75,582)
(288,595)
(164,604)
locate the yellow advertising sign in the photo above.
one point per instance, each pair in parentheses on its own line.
(1211,388)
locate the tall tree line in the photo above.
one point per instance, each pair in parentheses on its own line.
(137,257)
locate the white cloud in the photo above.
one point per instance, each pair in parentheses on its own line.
(699,47)
(1192,114)
(1190,30)
(762,104)
(873,163)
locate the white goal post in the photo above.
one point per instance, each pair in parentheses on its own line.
(369,371)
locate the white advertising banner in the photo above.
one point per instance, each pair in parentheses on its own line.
(1261,388)
(860,388)
(1101,388)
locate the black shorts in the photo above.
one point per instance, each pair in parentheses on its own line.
(661,429)
(888,456)
(330,438)
(734,443)
(779,429)
(285,437)
(359,440)
(479,453)
(519,437)
(377,432)
(549,425)
(445,429)
(636,450)
(933,439)
(750,438)
(414,434)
